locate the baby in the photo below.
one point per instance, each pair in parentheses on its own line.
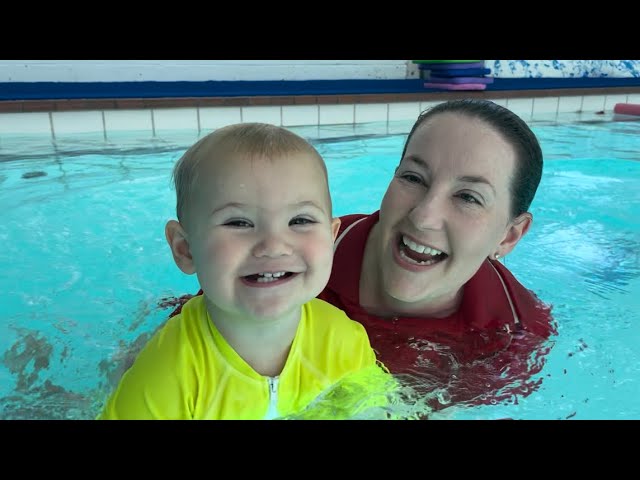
(255,225)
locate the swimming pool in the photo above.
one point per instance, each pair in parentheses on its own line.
(86,266)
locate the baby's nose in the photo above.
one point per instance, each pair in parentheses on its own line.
(272,245)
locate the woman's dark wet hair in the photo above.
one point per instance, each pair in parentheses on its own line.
(514,130)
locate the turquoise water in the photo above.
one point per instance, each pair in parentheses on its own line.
(86,266)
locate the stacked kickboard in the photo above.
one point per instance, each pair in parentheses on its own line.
(454,74)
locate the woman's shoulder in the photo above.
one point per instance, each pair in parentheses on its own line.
(347,220)
(533,313)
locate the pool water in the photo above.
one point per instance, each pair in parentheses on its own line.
(86,267)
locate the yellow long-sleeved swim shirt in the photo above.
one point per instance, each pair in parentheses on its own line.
(189,371)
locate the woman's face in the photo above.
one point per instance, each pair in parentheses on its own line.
(446,210)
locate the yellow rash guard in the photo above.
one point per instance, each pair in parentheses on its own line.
(189,371)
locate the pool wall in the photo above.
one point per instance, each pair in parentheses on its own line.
(59,98)
(292,70)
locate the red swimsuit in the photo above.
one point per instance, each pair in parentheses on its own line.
(499,322)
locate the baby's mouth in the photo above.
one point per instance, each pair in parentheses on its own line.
(267,277)
(419,254)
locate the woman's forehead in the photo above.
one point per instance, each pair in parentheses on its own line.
(458,134)
(458,124)
(462,149)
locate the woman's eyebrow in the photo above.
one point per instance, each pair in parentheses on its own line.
(418,160)
(466,178)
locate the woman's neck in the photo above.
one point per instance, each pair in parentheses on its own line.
(387,306)
(375,300)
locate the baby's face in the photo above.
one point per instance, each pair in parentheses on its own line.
(261,234)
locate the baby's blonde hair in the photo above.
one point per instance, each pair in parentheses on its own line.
(253,140)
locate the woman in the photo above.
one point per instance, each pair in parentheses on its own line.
(422,274)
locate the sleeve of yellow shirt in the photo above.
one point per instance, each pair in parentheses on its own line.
(157,386)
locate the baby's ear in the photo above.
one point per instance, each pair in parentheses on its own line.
(177,240)
(335,227)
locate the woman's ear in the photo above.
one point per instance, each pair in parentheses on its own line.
(518,227)
(177,240)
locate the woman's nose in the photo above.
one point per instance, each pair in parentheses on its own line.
(429,212)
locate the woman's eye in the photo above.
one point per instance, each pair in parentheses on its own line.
(301,221)
(467,197)
(410,177)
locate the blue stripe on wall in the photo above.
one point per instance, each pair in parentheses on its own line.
(96,90)
(68,90)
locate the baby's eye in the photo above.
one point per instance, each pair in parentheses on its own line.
(301,221)
(468,198)
(238,223)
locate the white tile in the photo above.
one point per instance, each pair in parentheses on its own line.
(334,131)
(568,117)
(77,122)
(570,104)
(36,122)
(427,105)
(127,120)
(175,119)
(212,118)
(399,127)
(633,98)
(306,131)
(269,114)
(611,100)
(336,114)
(298,115)
(521,107)
(592,103)
(591,116)
(337,131)
(371,128)
(545,107)
(404,111)
(371,112)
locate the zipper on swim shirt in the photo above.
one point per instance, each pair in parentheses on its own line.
(272,411)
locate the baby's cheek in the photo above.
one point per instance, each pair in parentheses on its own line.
(224,254)
(325,256)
